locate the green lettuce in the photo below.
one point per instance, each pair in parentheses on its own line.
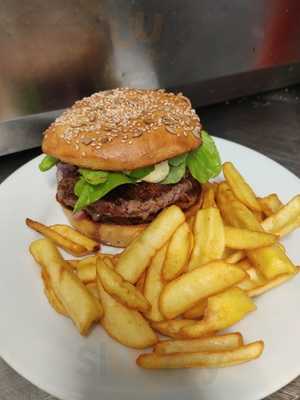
(88,194)
(204,162)
(140,173)
(47,163)
(175,175)
(93,177)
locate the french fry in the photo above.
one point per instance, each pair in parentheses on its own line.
(191,287)
(224,358)
(208,196)
(240,187)
(80,305)
(172,328)
(209,238)
(285,216)
(223,310)
(87,273)
(228,341)
(122,291)
(68,232)
(243,239)
(258,215)
(279,280)
(197,311)
(141,282)
(234,212)
(270,204)
(271,261)
(125,325)
(235,257)
(178,253)
(137,256)
(61,241)
(154,284)
(52,298)
(77,264)
(93,289)
(244,264)
(191,221)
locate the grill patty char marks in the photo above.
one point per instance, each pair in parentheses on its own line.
(129,204)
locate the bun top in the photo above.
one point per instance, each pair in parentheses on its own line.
(124,129)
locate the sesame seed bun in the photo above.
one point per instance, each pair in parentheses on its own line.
(113,234)
(124,129)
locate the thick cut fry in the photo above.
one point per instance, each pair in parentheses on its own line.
(234,212)
(172,328)
(279,280)
(125,325)
(223,310)
(235,257)
(253,280)
(80,305)
(87,273)
(141,282)
(245,264)
(61,241)
(258,215)
(240,187)
(52,298)
(135,259)
(77,264)
(229,341)
(202,359)
(184,292)
(270,204)
(289,228)
(93,289)
(209,239)
(122,291)
(197,311)
(271,261)
(285,216)
(243,239)
(68,232)
(178,253)
(191,221)
(154,284)
(208,196)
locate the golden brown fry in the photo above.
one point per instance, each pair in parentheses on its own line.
(240,187)
(235,257)
(154,284)
(245,264)
(223,310)
(70,233)
(224,358)
(184,292)
(125,325)
(279,280)
(141,282)
(285,216)
(208,196)
(270,204)
(61,241)
(209,238)
(191,221)
(80,305)
(172,328)
(137,256)
(197,311)
(258,215)
(122,291)
(51,296)
(271,261)
(228,341)
(93,289)
(87,273)
(243,239)
(178,253)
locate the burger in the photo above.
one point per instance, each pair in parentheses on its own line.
(123,155)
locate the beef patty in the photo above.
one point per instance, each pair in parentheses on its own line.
(129,204)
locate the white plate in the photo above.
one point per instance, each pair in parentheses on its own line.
(47,350)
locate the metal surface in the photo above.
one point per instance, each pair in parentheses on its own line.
(268,123)
(56,52)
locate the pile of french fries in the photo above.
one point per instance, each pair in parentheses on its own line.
(187,279)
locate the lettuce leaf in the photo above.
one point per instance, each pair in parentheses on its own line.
(204,162)
(93,177)
(88,194)
(176,161)
(47,163)
(175,175)
(140,173)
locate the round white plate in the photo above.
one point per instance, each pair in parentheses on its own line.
(46,349)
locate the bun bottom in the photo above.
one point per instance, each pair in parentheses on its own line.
(112,234)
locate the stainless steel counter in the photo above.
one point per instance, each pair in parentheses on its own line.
(268,123)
